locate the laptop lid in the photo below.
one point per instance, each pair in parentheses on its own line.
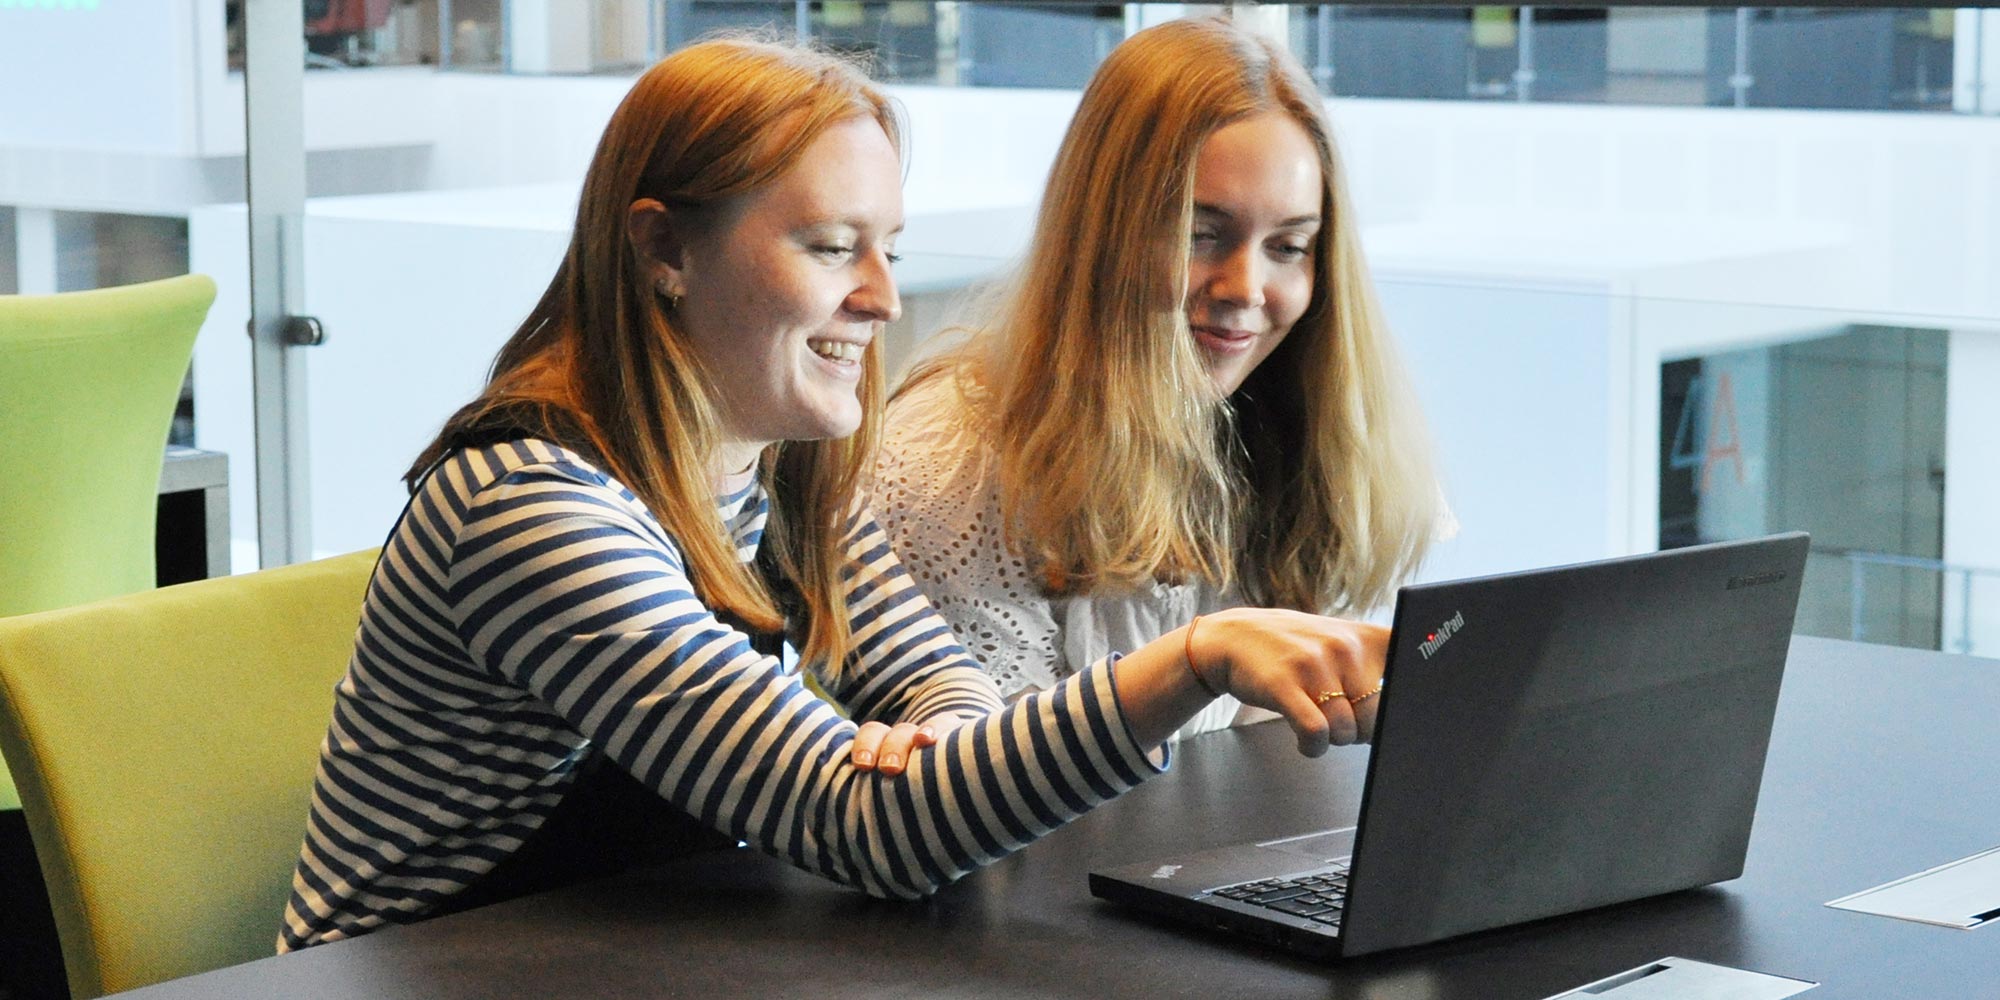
(1560,739)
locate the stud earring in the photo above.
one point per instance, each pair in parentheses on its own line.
(673,298)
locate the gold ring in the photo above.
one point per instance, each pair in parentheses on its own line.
(1365,697)
(1325,696)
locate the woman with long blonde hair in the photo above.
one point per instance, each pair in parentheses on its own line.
(577,648)
(1184,400)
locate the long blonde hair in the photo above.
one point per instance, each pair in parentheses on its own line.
(1119,464)
(601,363)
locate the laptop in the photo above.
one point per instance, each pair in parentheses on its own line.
(1548,742)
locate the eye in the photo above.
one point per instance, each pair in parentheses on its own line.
(832,251)
(1291,251)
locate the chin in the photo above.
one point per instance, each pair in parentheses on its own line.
(832,427)
(1229,379)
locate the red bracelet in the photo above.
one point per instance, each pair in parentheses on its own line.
(1187,650)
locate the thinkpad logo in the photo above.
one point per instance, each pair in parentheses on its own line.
(1434,641)
(1166,871)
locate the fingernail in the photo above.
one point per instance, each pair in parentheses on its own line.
(928,733)
(890,762)
(863,758)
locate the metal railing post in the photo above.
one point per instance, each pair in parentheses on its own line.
(275,176)
(1965,613)
(446,33)
(1858,598)
(1323,69)
(1524,69)
(1740,80)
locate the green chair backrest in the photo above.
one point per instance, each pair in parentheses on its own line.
(165,744)
(88,383)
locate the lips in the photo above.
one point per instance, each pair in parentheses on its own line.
(1223,340)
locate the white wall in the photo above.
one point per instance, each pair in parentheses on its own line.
(969,148)
(1519,392)
(119,76)
(1917,192)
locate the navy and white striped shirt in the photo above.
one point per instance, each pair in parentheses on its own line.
(528,611)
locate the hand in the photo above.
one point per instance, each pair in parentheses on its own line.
(1317,672)
(885,748)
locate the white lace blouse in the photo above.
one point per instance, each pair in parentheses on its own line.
(936,494)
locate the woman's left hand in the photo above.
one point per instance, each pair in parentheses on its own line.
(885,748)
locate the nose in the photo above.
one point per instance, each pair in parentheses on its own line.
(875,298)
(1237,279)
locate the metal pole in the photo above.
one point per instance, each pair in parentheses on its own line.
(1855,618)
(963,65)
(507,41)
(1965,614)
(275,168)
(1524,70)
(1980,28)
(446,31)
(1741,80)
(802,20)
(1323,70)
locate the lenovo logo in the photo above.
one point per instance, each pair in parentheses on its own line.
(1436,640)
(1756,579)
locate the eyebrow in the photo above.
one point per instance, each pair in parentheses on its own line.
(852,222)
(1296,220)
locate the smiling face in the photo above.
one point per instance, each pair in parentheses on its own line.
(782,294)
(1257,193)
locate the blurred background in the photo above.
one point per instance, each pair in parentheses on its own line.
(1662,275)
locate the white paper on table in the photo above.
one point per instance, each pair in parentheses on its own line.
(1685,979)
(1963,894)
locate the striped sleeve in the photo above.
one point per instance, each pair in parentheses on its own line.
(559,587)
(906,666)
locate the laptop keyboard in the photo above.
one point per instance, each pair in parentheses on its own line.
(1319,895)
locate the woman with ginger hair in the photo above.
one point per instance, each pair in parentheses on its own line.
(573,651)
(1184,400)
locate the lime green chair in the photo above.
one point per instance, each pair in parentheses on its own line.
(165,744)
(88,383)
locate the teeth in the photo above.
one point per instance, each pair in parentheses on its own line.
(836,350)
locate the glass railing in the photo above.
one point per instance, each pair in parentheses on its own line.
(1882,59)
(1889,59)
(1895,599)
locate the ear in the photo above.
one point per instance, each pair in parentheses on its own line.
(660,243)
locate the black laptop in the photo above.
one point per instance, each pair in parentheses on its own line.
(1548,742)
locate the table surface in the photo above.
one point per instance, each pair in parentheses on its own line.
(1881,766)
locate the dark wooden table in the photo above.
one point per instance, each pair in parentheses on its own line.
(1883,764)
